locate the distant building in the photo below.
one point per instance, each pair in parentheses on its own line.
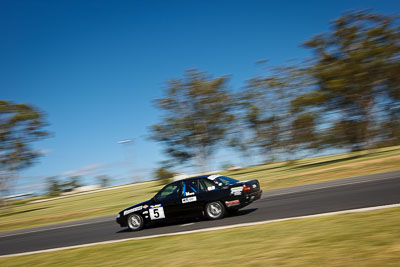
(83,189)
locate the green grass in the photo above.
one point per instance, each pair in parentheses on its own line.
(312,170)
(362,239)
(271,176)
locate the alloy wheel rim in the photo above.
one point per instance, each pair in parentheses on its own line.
(134,221)
(214,210)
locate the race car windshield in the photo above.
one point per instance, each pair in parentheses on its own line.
(225,180)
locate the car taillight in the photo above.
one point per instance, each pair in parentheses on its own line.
(246,188)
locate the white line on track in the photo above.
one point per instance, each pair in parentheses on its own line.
(208,229)
(186,224)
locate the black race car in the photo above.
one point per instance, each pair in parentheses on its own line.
(210,196)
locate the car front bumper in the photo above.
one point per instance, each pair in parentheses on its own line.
(121,221)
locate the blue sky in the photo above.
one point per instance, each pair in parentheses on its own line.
(95,67)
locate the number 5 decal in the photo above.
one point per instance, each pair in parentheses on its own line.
(156,212)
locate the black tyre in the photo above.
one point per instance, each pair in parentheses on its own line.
(135,222)
(214,210)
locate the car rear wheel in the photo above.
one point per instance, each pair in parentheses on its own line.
(215,210)
(135,222)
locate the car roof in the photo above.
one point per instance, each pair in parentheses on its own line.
(191,178)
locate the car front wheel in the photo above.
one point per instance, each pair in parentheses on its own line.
(215,210)
(135,222)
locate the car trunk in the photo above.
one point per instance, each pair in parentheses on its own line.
(253,184)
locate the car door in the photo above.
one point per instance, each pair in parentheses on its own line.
(166,203)
(209,191)
(190,204)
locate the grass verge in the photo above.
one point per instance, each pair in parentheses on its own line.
(271,176)
(361,239)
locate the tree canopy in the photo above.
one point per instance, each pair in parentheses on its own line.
(197,115)
(347,95)
(356,71)
(20,126)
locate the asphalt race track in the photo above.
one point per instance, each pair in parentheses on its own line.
(384,189)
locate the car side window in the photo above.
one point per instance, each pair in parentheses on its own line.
(190,188)
(202,187)
(207,185)
(169,192)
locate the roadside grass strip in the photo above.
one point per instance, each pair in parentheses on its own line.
(368,236)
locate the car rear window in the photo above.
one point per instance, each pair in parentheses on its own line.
(223,180)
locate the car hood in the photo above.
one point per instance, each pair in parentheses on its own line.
(147,202)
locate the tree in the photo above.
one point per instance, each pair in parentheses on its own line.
(197,116)
(391,127)
(356,67)
(103,180)
(304,132)
(266,102)
(20,126)
(164,175)
(72,183)
(54,188)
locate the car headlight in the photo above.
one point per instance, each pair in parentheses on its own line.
(118,215)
